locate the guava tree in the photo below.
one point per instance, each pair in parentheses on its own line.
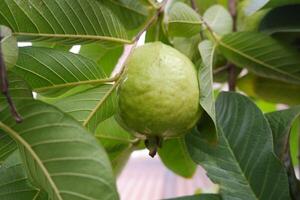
(69,121)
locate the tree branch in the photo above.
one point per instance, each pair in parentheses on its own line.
(5,87)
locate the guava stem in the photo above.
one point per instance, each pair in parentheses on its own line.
(152,144)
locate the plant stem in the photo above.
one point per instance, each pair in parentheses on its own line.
(232,68)
(194,5)
(5,87)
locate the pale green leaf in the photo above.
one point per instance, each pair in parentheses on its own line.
(9,47)
(262,55)
(59,155)
(200,197)
(219,20)
(175,156)
(207,124)
(243,163)
(183,21)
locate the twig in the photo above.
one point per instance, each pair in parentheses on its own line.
(194,5)
(232,68)
(221,69)
(5,86)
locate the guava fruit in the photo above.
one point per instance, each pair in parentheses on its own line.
(159,96)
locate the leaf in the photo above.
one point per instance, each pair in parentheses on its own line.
(262,55)
(243,163)
(117,142)
(255,5)
(79,21)
(207,125)
(90,107)
(175,156)
(51,72)
(9,47)
(219,20)
(183,21)
(188,46)
(203,5)
(199,197)
(14,181)
(19,92)
(281,123)
(59,155)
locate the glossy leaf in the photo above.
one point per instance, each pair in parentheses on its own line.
(51,72)
(183,21)
(90,107)
(243,163)
(9,47)
(262,55)
(175,156)
(219,20)
(59,155)
(207,125)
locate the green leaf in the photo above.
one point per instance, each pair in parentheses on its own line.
(207,124)
(255,5)
(183,21)
(262,55)
(219,20)
(175,156)
(90,107)
(51,72)
(15,183)
(281,123)
(199,197)
(243,163)
(9,47)
(294,145)
(19,91)
(281,20)
(188,46)
(203,5)
(117,142)
(74,21)
(59,155)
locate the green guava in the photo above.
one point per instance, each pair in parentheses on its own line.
(159,95)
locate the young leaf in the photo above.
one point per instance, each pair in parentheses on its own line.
(243,163)
(59,155)
(90,107)
(14,182)
(207,124)
(175,156)
(262,55)
(51,72)
(183,21)
(219,20)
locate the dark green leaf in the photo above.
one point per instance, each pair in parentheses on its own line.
(255,5)
(243,163)
(262,55)
(199,197)
(175,156)
(59,155)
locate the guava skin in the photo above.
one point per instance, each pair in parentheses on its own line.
(159,95)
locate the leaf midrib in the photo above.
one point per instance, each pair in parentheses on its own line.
(27,146)
(256,60)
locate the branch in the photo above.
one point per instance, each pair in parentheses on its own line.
(5,85)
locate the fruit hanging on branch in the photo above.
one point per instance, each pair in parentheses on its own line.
(159,95)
